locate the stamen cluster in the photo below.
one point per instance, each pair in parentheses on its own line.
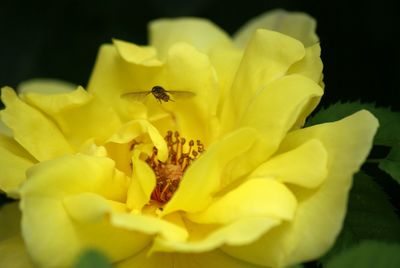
(169,173)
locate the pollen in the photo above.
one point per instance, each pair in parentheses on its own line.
(169,173)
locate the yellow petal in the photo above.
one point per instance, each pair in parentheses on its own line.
(305,165)
(185,69)
(90,208)
(203,177)
(320,212)
(60,188)
(10,219)
(119,152)
(112,76)
(63,175)
(267,58)
(311,65)
(142,185)
(12,249)
(135,130)
(188,70)
(46,141)
(211,259)
(143,55)
(295,24)
(143,261)
(13,169)
(13,253)
(4,130)
(255,197)
(200,33)
(9,144)
(45,86)
(277,107)
(226,62)
(78,114)
(149,225)
(240,232)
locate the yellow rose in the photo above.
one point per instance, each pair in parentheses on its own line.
(222,174)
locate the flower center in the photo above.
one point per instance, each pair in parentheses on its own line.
(169,173)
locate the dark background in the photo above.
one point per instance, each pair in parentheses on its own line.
(60,39)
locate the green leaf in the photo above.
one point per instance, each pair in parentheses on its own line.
(389,131)
(369,254)
(92,259)
(370,216)
(391,164)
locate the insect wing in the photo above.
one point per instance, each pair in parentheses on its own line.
(135,95)
(181,94)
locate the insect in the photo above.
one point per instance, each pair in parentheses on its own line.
(159,93)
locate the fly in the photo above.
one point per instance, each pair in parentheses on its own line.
(161,94)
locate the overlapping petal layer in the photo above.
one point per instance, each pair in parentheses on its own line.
(295,24)
(203,178)
(320,212)
(184,69)
(267,57)
(211,259)
(46,142)
(65,203)
(66,110)
(202,34)
(12,249)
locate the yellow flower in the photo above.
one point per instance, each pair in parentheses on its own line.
(221,175)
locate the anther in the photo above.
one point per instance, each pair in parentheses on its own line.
(169,173)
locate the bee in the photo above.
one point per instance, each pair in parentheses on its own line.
(161,94)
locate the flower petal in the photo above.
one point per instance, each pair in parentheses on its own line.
(12,249)
(149,225)
(45,86)
(90,207)
(311,65)
(112,76)
(10,218)
(13,169)
(200,33)
(66,109)
(13,253)
(277,107)
(14,161)
(211,259)
(240,232)
(255,197)
(4,130)
(142,185)
(59,188)
(203,177)
(143,55)
(267,57)
(63,175)
(189,70)
(320,213)
(298,25)
(305,165)
(135,129)
(185,69)
(46,141)
(226,62)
